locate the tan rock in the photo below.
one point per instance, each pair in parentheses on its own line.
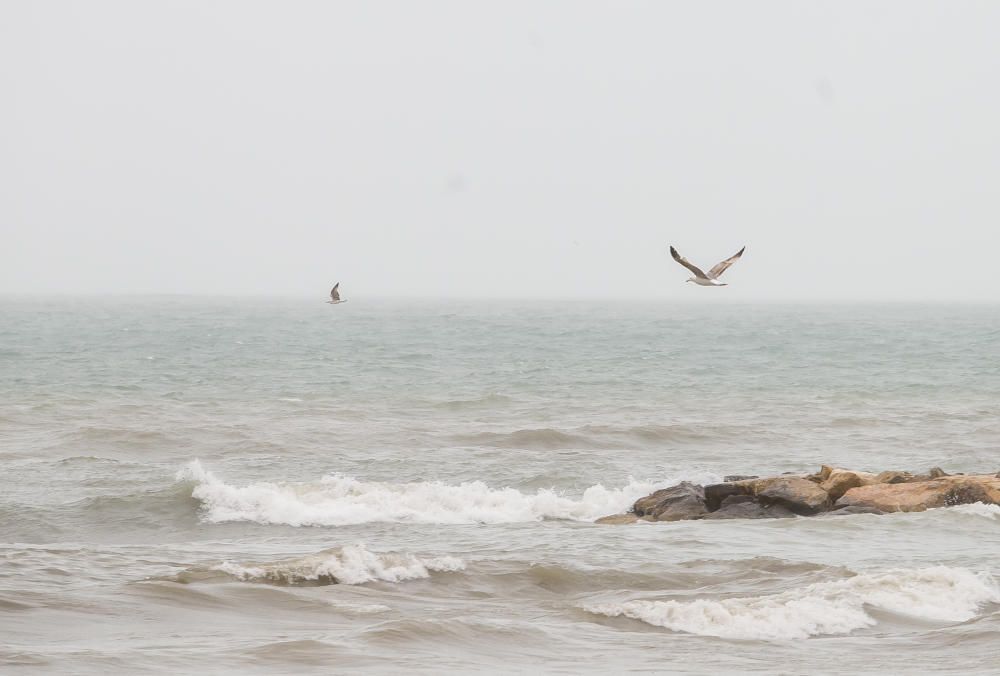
(822,475)
(798,494)
(617,519)
(921,495)
(839,481)
(892,477)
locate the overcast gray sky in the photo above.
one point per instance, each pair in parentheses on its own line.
(500,148)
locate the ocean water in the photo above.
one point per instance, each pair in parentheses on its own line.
(280,486)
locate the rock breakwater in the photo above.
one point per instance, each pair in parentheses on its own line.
(832,490)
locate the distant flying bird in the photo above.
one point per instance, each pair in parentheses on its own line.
(335,295)
(700,278)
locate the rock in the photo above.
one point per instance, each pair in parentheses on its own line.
(892,477)
(683,501)
(797,494)
(854,509)
(822,475)
(936,473)
(921,495)
(839,481)
(618,519)
(738,477)
(737,499)
(716,493)
(746,507)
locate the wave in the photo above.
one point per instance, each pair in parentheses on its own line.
(599,436)
(86,460)
(485,401)
(975,509)
(338,500)
(939,593)
(351,564)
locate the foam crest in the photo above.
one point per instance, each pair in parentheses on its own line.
(977,509)
(352,564)
(338,500)
(839,607)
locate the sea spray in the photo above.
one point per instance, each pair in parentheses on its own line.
(341,500)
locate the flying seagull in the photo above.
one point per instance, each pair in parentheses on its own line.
(335,295)
(711,279)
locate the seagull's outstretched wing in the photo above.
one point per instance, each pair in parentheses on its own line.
(719,268)
(334,294)
(683,261)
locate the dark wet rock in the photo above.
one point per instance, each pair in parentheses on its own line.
(716,493)
(737,499)
(746,507)
(738,477)
(683,501)
(797,494)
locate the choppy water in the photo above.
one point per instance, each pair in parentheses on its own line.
(184,481)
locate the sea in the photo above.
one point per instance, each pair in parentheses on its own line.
(262,485)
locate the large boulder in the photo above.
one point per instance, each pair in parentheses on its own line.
(921,495)
(683,501)
(746,507)
(800,495)
(839,481)
(715,494)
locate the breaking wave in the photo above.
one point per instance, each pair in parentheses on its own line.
(839,607)
(976,509)
(351,564)
(338,500)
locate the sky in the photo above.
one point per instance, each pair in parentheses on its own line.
(501,149)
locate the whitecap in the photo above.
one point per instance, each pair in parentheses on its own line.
(352,564)
(839,607)
(976,509)
(338,500)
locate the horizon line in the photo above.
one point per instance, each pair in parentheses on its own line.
(500,298)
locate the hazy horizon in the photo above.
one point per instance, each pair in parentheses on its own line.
(500,150)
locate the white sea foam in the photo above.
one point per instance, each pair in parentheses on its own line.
(977,509)
(341,500)
(352,564)
(838,607)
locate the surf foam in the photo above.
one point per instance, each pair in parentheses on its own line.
(338,500)
(352,564)
(839,607)
(976,509)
